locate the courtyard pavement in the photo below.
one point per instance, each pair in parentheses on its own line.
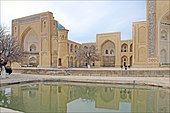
(17,78)
(95,68)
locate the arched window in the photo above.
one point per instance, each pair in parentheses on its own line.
(124,61)
(32,48)
(44,24)
(131,47)
(106,52)
(71,48)
(111,52)
(75,48)
(124,48)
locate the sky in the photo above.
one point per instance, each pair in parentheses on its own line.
(83,19)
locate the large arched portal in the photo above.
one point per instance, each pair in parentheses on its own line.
(31,39)
(108,54)
(164,39)
(31,42)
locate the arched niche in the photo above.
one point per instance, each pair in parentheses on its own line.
(30,39)
(164,38)
(124,60)
(163,56)
(142,34)
(124,47)
(108,53)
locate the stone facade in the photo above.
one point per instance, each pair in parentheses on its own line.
(46,41)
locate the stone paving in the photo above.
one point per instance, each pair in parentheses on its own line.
(5,110)
(94,68)
(16,78)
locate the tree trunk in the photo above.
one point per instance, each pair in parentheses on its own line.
(3,72)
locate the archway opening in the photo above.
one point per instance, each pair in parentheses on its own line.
(71,61)
(124,61)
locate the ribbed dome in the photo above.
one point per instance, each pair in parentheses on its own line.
(60,26)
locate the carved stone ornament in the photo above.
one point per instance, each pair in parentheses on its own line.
(151,28)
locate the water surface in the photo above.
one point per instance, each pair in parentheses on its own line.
(71,98)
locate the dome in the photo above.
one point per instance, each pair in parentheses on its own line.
(60,26)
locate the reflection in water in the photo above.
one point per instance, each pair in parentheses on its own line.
(62,98)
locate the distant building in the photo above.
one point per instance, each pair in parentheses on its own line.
(46,41)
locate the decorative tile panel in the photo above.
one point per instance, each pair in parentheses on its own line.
(29,20)
(151,28)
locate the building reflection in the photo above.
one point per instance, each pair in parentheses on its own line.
(55,97)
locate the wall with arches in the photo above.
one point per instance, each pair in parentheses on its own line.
(164,39)
(162,8)
(108,45)
(36,38)
(139,43)
(126,52)
(72,51)
(40,37)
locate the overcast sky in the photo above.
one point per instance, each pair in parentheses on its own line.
(83,19)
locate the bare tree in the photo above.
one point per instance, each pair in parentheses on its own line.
(10,48)
(87,54)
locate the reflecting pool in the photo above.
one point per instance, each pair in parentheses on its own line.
(71,98)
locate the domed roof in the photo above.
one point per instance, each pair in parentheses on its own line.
(60,26)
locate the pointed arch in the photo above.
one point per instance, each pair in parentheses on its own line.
(107,46)
(131,47)
(163,56)
(142,34)
(124,60)
(23,35)
(107,42)
(124,47)
(108,56)
(164,38)
(29,39)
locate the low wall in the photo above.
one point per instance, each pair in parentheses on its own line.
(95,72)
